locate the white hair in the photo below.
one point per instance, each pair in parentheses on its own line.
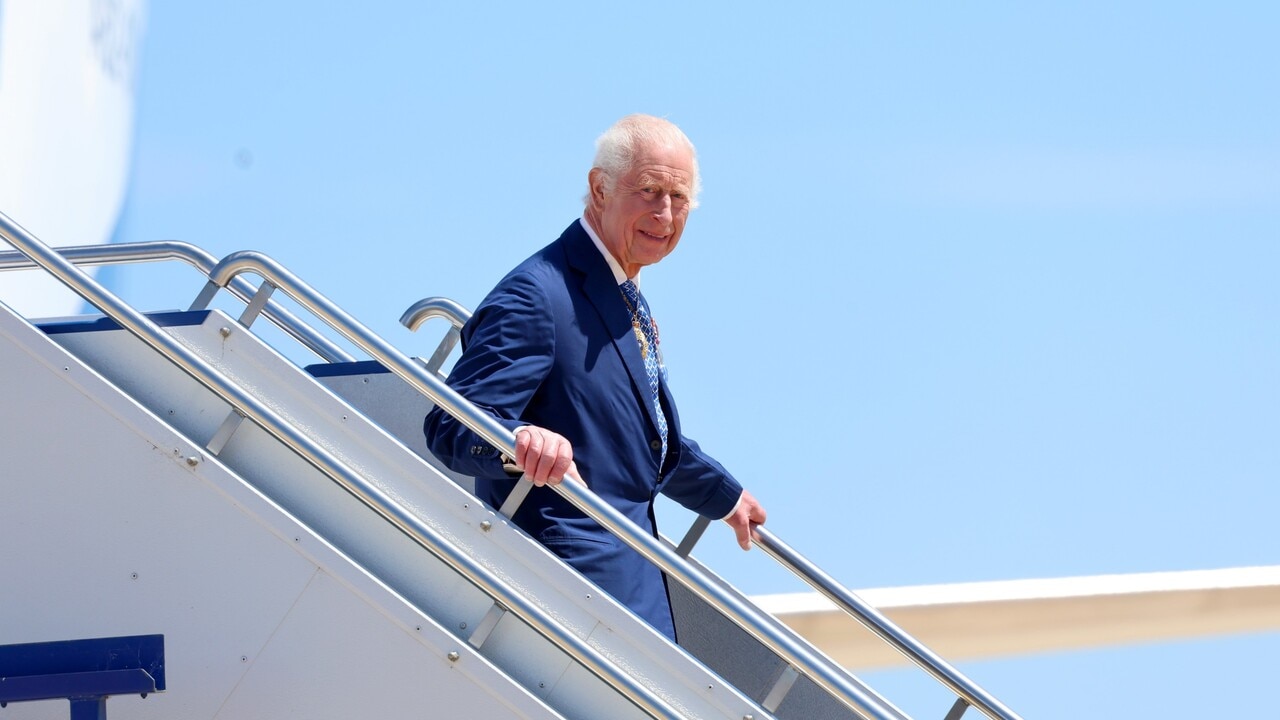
(617,148)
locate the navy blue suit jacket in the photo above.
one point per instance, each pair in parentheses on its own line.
(552,345)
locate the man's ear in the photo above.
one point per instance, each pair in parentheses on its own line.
(596,181)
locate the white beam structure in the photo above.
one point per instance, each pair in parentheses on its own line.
(989,619)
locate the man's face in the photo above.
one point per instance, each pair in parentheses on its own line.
(641,218)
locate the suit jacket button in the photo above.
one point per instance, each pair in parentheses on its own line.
(656,444)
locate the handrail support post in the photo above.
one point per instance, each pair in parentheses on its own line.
(487,624)
(205,297)
(693,535)
(786,680)
(257,303)
(516,498)
(957,710)
(443,349)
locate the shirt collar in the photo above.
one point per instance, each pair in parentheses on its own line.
(618,276)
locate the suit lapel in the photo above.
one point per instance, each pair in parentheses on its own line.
(602,292)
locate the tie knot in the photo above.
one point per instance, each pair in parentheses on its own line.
(632,292)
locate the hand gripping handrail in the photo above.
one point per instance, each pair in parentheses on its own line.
(374,498)
(969,693)
(837,682)
(157,250)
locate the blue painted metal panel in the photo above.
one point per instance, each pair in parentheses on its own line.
(175,318)
(363,367)
(82,668)
(76,685)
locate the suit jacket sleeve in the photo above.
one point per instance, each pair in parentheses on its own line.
(507,351)
(701,484)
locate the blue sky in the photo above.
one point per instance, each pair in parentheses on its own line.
(976,292)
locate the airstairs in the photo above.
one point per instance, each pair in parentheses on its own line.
(285,530)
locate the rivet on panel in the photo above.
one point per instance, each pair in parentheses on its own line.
(224,331)
(453,656)
(485,525)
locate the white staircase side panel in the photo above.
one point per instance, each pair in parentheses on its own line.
(386,553)
(394,406)
(109,531)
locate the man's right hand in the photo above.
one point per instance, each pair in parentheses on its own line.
(745,517)
(544,456)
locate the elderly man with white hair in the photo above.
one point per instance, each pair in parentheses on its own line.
(565,353)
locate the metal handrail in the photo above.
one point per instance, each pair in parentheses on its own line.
(833,678)
(324,461)
(159,250)
(428,308)
(876,622)
(799,565)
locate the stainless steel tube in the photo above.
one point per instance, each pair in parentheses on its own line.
(883,627)
(427,308)
(159,250)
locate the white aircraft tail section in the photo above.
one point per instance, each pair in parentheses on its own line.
(67,90)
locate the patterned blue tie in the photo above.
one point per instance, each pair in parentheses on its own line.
(647,337)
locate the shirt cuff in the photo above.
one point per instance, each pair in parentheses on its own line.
(734,510)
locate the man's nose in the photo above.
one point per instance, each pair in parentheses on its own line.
(662,209)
